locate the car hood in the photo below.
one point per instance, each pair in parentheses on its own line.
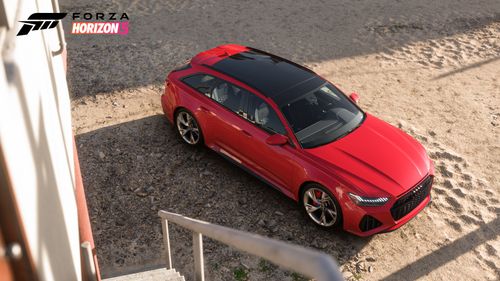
(376,157)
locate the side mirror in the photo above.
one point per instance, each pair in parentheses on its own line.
(354,97)
(277,139)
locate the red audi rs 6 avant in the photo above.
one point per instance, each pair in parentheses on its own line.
(299,133)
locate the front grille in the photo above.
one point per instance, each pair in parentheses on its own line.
(412,199)
(368,223)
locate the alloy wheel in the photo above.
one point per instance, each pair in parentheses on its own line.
(320,207)
(188,128)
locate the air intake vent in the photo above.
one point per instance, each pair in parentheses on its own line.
(369,223)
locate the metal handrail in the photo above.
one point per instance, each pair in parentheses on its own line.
(310,263)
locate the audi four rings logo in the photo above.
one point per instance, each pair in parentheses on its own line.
(40,21)
(417,189)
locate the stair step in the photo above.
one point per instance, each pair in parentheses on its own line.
(161,274)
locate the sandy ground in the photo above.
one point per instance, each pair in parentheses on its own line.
(431,68)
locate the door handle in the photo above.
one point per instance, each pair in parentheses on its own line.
(246,133)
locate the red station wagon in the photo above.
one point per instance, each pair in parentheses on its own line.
(302,135)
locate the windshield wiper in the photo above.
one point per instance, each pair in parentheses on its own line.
(336,126)
(348,132)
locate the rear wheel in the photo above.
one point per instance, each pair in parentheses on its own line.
(187,127)
(321,206)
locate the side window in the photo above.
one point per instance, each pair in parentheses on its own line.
(230,96)
(200,82)
(239,101)
(262,114)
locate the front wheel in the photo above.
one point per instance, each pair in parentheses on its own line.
(188,128)
(321,206)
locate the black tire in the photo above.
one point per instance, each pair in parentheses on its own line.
(189,137)
(339,217)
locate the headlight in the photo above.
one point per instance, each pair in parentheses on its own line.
(368,201)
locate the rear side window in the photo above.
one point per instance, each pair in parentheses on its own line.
(262,114)
(200,82)
(230,96)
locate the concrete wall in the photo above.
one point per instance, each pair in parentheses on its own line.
(36,139)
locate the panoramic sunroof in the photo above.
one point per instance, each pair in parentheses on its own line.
(269,74)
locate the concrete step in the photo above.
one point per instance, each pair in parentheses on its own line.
(161,274)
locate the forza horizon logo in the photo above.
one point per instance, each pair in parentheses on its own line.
(83,23)
(100,23)
(40,21)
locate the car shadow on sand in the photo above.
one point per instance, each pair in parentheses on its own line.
(133,169)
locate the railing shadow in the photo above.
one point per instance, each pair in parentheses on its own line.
(445,254)
(468,67)
(52,227)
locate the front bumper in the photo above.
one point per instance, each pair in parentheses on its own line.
(380,219)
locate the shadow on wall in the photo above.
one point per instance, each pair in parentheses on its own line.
(53,243)
(132,169)
(165,34)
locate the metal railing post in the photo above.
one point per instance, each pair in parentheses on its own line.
(199,268)
(88,262)
(310,263)
(166,243)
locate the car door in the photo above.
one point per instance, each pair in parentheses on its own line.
(203,107)
(274,162)
(238,124)
(219,110)
(228,116)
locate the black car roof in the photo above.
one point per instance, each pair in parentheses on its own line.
(267,73)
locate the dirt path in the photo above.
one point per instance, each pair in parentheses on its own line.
(432,69)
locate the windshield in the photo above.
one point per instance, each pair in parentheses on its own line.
(322,116)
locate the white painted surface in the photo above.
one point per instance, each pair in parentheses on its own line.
(36,139)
